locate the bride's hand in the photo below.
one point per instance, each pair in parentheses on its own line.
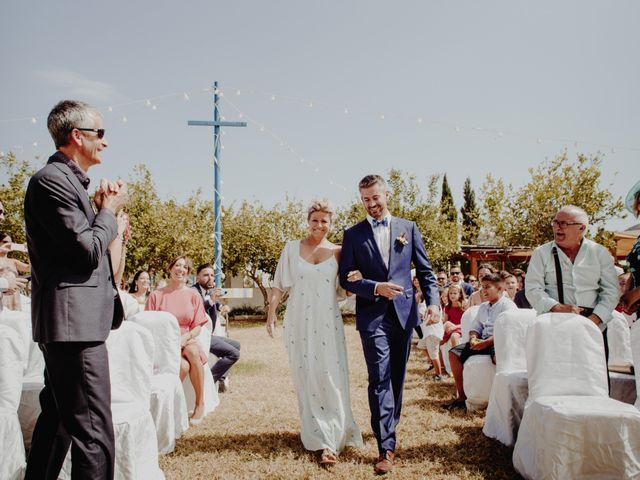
(354,276)
(271,325)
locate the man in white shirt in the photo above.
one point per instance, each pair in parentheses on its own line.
(589,280)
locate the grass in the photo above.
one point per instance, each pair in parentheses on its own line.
(254,433)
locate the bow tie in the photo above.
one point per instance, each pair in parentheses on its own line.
(384,222)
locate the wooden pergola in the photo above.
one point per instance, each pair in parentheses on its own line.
(624,242)
(477,254)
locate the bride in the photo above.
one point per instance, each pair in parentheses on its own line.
(314,337)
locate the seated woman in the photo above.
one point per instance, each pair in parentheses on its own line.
(140,287)
(10,267)
(186,305)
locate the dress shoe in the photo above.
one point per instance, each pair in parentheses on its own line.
(385,462)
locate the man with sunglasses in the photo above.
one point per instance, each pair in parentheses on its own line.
(74,297)
(589,283)
(9,283)
(455,275)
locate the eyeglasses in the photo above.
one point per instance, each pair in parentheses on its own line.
(99,131)
(444,279)
(455,273)
(563,224)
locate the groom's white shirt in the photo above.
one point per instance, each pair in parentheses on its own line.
(381,235)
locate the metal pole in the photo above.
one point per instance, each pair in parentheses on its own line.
(217,245)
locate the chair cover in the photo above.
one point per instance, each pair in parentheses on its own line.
(619,339)
(570,427)
(168,403)
(12,360)
(506,401)
(21,323)
(130,350)
(211,398)
(478,371)
(467,319)
(130,305)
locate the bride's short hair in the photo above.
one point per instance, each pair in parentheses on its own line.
(320,205)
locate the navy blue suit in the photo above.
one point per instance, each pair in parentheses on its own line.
(386,326)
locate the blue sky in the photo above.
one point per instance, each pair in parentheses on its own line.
(465,88)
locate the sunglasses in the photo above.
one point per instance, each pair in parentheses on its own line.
(99,131)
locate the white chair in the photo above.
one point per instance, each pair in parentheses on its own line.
(479,370)
(468,317)
(507,399)
(33,373)
(619,339)
(570,427)
(211,398)
(168,403)
(12,360)
(130,350)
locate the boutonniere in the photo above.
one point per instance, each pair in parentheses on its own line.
(402,239)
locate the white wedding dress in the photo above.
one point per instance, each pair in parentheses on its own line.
(314,339)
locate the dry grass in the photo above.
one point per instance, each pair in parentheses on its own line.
(254,433)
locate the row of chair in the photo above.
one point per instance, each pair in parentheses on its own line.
(149,404)
(548,395)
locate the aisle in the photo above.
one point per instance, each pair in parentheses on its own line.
(254,432)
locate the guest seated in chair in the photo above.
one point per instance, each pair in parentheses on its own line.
(481,332)
(226,349)
(186,305)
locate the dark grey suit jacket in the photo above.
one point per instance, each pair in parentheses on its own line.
(72,282)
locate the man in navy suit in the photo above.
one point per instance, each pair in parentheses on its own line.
(382,248)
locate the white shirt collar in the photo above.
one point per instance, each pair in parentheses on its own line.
(370,219)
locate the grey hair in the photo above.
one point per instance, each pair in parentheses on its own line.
(67,115)
(579,214)
(320,205)
(371,180)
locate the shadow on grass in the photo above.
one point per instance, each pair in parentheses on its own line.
(268,445)
(473,452)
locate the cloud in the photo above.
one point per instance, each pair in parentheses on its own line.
(77,85)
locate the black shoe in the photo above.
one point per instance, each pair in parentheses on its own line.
(457,403)
(430,367)
(436,378)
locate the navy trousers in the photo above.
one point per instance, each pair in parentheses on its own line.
(386,352)
(228,353)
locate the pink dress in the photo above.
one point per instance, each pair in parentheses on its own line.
(185,304)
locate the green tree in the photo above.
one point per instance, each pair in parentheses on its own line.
(447,206)
(524,217)
(12,192)
(161,230)
(470,215)
(254,236)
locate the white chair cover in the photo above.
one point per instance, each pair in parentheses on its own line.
(12,360)
(619,339)
(506,402)
(131,307)
(570,427)
(478,371)
(168,403)
(635,350)
(467,319)
(211,398)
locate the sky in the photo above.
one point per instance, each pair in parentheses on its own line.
(331,90)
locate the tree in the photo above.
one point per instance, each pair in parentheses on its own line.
(12,192)
(447,206)
(470,215)
(524,217)
(254,236)
(162,230)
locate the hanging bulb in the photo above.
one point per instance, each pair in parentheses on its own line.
(419,120)
(458,129)
(273,98)
(185,95)
(539,140)
(35,144)
(110,108)
(302,160)
(241,115)
(262,129)
(147,102)
(382,116)
(500,134)
(33,120)
(238,92)
(310,104)
(124,119)
(346,111)
(154,107)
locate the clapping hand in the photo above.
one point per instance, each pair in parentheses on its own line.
(111,195)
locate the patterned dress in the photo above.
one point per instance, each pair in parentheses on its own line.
(315,344)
